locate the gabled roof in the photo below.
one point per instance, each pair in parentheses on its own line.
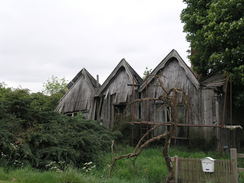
(162,64)
(129,70)
(71,100)
(85,73)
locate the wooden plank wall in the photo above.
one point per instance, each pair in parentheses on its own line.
(79,98)
(117,92)
(205,106)
(172,76)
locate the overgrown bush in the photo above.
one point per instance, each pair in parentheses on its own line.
(32,134)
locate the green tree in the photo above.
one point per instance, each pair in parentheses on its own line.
(55,85)
(215,30)
(55,88)
(146,73)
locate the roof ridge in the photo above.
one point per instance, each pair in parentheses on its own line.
(128,68)
(77,76)
(172,54)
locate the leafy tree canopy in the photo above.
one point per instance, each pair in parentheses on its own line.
(215,30)
(55,88)
(55,85)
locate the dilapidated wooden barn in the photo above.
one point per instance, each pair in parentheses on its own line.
(205,99)
(114,96)
(172,72)
(216,108)
(80,95)
(112,102)
(207,114)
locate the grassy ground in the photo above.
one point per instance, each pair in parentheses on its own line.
(148,168)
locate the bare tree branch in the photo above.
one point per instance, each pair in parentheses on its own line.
(170,99)
(137,150)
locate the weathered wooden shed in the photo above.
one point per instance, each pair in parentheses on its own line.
(173,72)
(205,99)
(212,106)
(114,96)
(213,94)
(112,103)
(216,108)
(80,95)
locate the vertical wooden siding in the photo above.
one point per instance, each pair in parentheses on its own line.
(190,171)
(80,97)
(117,92)
(172,76)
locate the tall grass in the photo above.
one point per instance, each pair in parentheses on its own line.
(149,167)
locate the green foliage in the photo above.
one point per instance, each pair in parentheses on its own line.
(149,167)
(31,133)
(55,88)
(55,85)
(146,73)
(215,30)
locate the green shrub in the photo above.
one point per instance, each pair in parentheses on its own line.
(65,139)
(32,134)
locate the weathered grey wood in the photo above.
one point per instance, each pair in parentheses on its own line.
(176,168)
(124,85)
(115,91)
(239,155)
(233,156)
(240,169)
(80,95)
(172,54)
(190,171)
(205,106)
(172,75)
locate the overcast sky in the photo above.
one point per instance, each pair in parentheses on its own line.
(41,38)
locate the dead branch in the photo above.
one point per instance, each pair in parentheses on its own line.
(112,147)
(170,99)
(166,156)
(138,149)
(144,136)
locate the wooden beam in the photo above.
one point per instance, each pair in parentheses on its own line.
(180,138)
(240,170)
(239,155)
(178,124)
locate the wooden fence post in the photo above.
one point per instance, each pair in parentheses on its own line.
(233,157)
(176,169)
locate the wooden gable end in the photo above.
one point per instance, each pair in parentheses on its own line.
(112,101)
(80,96)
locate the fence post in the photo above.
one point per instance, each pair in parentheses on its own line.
(233,157)
(176,169)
